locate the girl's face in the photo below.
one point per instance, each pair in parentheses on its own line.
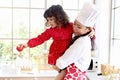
(79,28)
(51,22)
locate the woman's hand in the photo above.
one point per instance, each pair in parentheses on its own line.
(92,33)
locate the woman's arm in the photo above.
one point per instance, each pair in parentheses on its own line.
(74,52)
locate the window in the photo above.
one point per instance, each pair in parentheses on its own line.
(115,38)
(21,20)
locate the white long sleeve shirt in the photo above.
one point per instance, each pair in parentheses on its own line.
(78,53)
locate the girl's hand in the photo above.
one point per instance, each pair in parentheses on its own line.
(20,47)
(92,33)
(56,68)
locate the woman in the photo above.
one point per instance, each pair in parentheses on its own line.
(77,57)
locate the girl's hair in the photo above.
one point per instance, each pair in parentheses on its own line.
(60,16)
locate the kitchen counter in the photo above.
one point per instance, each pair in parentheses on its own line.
(42,75)
(92,75)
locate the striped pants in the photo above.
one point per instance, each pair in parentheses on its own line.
(73,73)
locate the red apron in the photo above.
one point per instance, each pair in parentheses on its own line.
(73,73)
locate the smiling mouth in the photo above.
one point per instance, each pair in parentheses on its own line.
(75,33)
(51,25)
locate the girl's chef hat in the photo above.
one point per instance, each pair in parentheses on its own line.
(88,15)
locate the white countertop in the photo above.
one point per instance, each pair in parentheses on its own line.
(92,75)
(42,73)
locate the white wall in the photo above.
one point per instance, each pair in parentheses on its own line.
(103,29)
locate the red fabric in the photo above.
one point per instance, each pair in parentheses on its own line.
(73,73)
(61,40)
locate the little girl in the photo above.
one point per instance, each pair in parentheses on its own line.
(60,31)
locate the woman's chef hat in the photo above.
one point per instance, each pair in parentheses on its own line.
(88,15)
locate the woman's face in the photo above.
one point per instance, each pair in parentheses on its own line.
(78,28)
(51,21)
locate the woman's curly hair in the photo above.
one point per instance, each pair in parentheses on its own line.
(59,14)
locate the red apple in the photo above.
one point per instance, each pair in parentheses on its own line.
(20,47)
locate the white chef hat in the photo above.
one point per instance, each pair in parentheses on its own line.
(88,14)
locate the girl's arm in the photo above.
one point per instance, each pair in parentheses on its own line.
(39,39)
(35,41)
